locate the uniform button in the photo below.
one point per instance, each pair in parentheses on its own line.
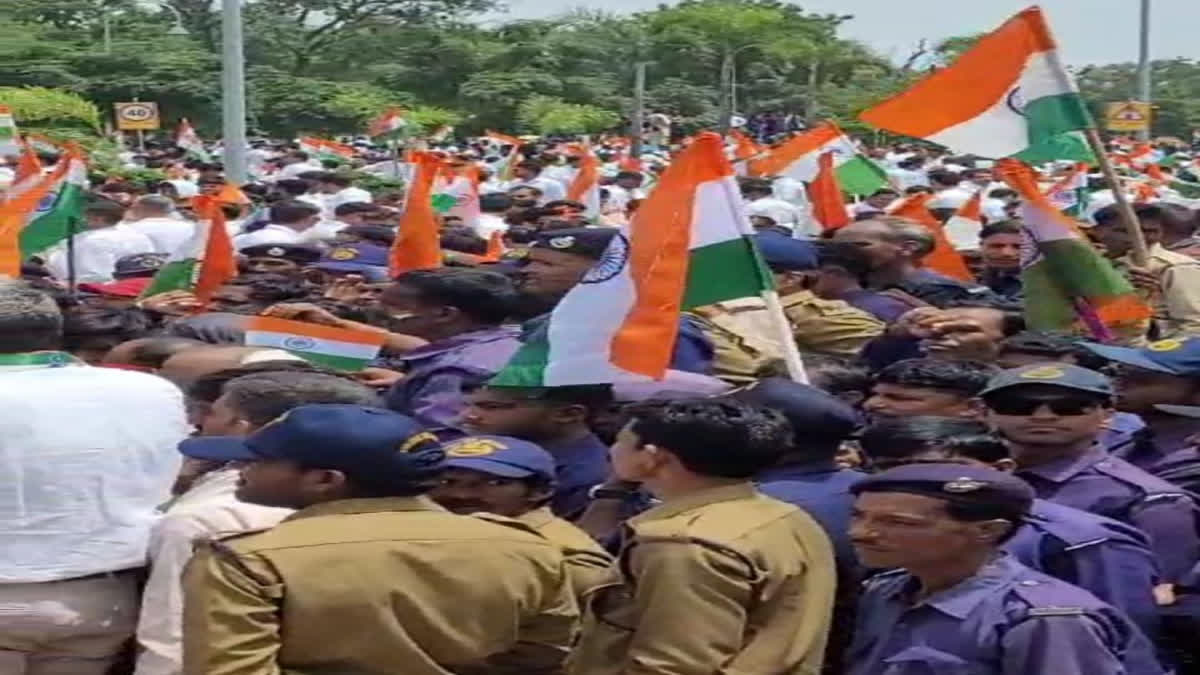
(1030,582)
(1104,465)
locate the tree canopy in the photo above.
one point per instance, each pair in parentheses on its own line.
(328,66)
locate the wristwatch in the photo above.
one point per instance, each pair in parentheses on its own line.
(603,491)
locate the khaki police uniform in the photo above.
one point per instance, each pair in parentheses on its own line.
(1176,302)
(830,327)
(587,562)
(392,586)
(744,343)
(725,580)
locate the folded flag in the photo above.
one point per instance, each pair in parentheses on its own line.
(943,259)
(204,262)
(59,210)
(418,244)
(187,138)
(1007,94)
(963,227)
(825,195)
(585,187)
(9,139)
(1067,283)
(337,348)
(798,159)
(389,123)
(689,245)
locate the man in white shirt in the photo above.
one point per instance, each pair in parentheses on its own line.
(529,173)
(947,193)
(760,201)
(88,454)
(297,162)
(208,507)
(153,216)
(338,190)
(97,249)
(288,223)
(492,207)
(626,187)
(345,215)
(909,173)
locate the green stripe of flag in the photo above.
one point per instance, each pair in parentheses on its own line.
(1068,269)
(861,176)
(330,361)
(527,368)
(177,275)
(1050,116)
(54,225)
(725,271)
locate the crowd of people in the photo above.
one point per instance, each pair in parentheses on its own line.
(950,491)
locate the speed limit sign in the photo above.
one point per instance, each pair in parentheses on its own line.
(137,116)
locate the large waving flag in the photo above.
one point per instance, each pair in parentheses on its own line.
(963,227)
(205,261)
(943,259)
(689,246)
(418,244)
(189,140)
(825,195)
(1066,281)
(59,211)
(1008,94)
(25,204)
(798,158)
(585,187)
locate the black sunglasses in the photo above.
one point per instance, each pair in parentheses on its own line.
(1064,407)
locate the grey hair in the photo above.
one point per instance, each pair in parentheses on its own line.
(262,397)
(29,319)
(903,230)
(157,203)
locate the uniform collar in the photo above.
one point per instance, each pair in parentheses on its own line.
(342,507)
(1062,470)
(696,500)
(537,518)
(37,360)
(961,599)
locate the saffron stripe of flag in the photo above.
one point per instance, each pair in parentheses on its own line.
(417,244)
(1007,94)
(825,195)
(17,211)
(204,262)
(338,348)
(585,187)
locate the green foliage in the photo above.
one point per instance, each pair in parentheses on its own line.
(549,115)
(1176,92)
(40,105)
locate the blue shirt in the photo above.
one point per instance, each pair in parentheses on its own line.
(1005,620)
(1107,558)
(821,489)
(440,374)
(579,464)
(1109,486)
(882,307)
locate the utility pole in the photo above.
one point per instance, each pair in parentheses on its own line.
(106,21)
(233,94)
(639,108)
(725,109)
(1143,76)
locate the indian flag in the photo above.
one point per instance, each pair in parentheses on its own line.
(28,165)
(798,158)
(1006,95)
(60,211)
(825,195)
(21,208)
(585,187)
(336,348)
(456,194)
(389,123)
(418,244)
(189,140)
(963,227)
(9,140)
(1069,194)
(204,262)
(689,245)
(1066,281)
(326,150)
(943,259)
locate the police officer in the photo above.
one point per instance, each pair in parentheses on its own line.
(1107,558)
(278,258)
(370,261)
(515,478)
(717,578)
(370,576)
(808,477)
(1052,415)
(958,605)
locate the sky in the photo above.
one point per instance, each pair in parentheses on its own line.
(1088,31)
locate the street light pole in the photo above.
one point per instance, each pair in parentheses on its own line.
(1143,76)
(233,95)
(639,108)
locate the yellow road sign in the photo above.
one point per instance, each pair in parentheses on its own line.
(1127,116)
(137,116)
